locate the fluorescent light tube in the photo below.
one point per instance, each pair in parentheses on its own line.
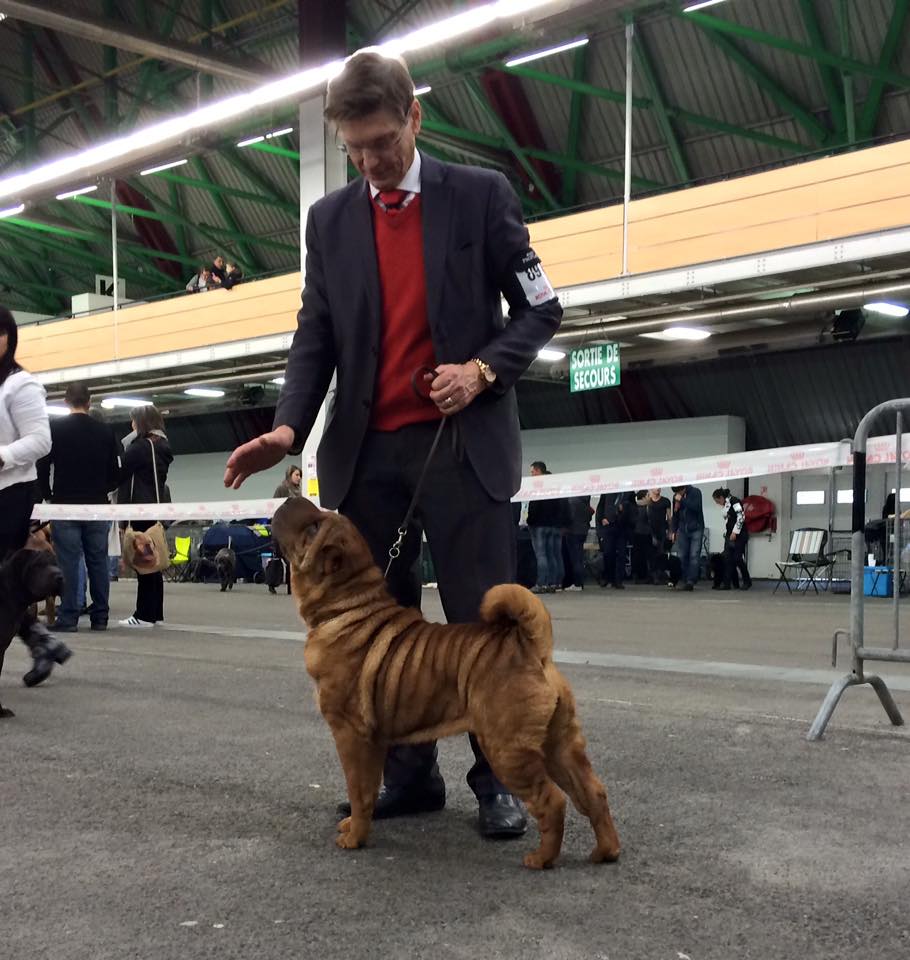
(203,392)
(163,166)
(679,333)
(110,403)
(250,141)
(12,211)
(420,91)
(278,380)
(699,4)
(56,410)
(548,354)
(76,193)
(887,309)
(548,52)
(279,133)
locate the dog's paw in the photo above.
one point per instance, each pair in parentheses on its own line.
(344,825)
(347,841)
(534,861)
(600,855)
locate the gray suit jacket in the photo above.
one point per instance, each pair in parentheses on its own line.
(476,248)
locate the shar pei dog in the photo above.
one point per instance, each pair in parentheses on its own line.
(385,676)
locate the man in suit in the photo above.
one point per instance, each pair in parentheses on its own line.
(405,271)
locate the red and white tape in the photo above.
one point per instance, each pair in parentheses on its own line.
(641,476)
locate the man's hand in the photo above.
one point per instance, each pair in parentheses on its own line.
(732,536)
(258,454)
(455,386)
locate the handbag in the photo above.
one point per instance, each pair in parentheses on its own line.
(147,551)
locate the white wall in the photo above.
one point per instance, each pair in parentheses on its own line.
(199,476)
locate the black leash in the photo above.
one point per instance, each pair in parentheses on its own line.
(420,386)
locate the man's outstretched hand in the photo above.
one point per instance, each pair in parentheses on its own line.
(259,454)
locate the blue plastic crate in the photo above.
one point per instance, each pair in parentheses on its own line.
(878,581)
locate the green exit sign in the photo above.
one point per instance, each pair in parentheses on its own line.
(594,367)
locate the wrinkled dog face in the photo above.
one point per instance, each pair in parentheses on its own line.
(38,574)
(318,544)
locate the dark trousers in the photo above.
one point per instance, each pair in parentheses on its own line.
(150,587)
(73,541)
(16,505)
(657,559)
(688,547)
(735,560)
(641,549)
(613,547)
(471,539)
(576,550)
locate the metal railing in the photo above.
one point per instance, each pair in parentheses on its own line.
(856,633)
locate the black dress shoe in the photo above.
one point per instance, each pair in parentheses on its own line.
(501,816)
(99,625)
(404,801)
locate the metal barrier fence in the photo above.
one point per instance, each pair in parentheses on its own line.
(856,634)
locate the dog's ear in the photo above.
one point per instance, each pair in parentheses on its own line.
(292,521)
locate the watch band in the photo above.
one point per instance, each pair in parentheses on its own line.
(486,371)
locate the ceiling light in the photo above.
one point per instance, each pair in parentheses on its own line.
(420,91)
(278,380)
(548,52)
(679,333)
(163,166)
(279,133)
(57,410)
(110,403)
(110,154)
(887,309)
(690,8)
(12,211)
(76,193)
(249,142)
(549,354)
(203,392)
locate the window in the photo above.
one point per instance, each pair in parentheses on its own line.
(845,496)
(810,498)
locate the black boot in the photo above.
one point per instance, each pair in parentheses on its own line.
(46,651)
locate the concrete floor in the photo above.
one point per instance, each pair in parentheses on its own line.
(170,794)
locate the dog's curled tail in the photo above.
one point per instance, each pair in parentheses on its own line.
(510,603)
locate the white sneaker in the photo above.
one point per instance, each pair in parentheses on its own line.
(575,588)
(136,624)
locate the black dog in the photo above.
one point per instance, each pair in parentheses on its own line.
(226,565)
(27,577)
(717,564)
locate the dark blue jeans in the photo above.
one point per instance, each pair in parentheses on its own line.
(688,548)
(74,539)
(547,542)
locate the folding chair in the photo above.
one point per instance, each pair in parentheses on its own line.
(807,558)
(179,568)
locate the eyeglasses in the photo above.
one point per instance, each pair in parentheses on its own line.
(381,146)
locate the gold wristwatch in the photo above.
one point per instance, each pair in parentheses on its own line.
(486,371)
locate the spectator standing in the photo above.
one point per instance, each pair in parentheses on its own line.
(290,486)
(613,519)
(736,539)
(659,511)
(546,521)
(85,460)
(436,247)
(143,476)
(580,513)
(641,539)
(218,271)
(232,275)
(688,531)
(25,437)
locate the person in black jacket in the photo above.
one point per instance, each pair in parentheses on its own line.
(613,520)
(736,538)
(546,521)
(687,529)
(580,513)
(143,476)
(85,457)
(658,510)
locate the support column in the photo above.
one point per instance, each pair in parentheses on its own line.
(627,192)
(323,167)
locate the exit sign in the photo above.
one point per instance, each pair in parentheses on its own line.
(594,367)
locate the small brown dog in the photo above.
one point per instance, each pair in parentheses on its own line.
(385,676)
(39,538)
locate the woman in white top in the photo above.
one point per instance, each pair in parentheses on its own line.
(25,437)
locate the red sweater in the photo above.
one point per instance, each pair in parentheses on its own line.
(404,343)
